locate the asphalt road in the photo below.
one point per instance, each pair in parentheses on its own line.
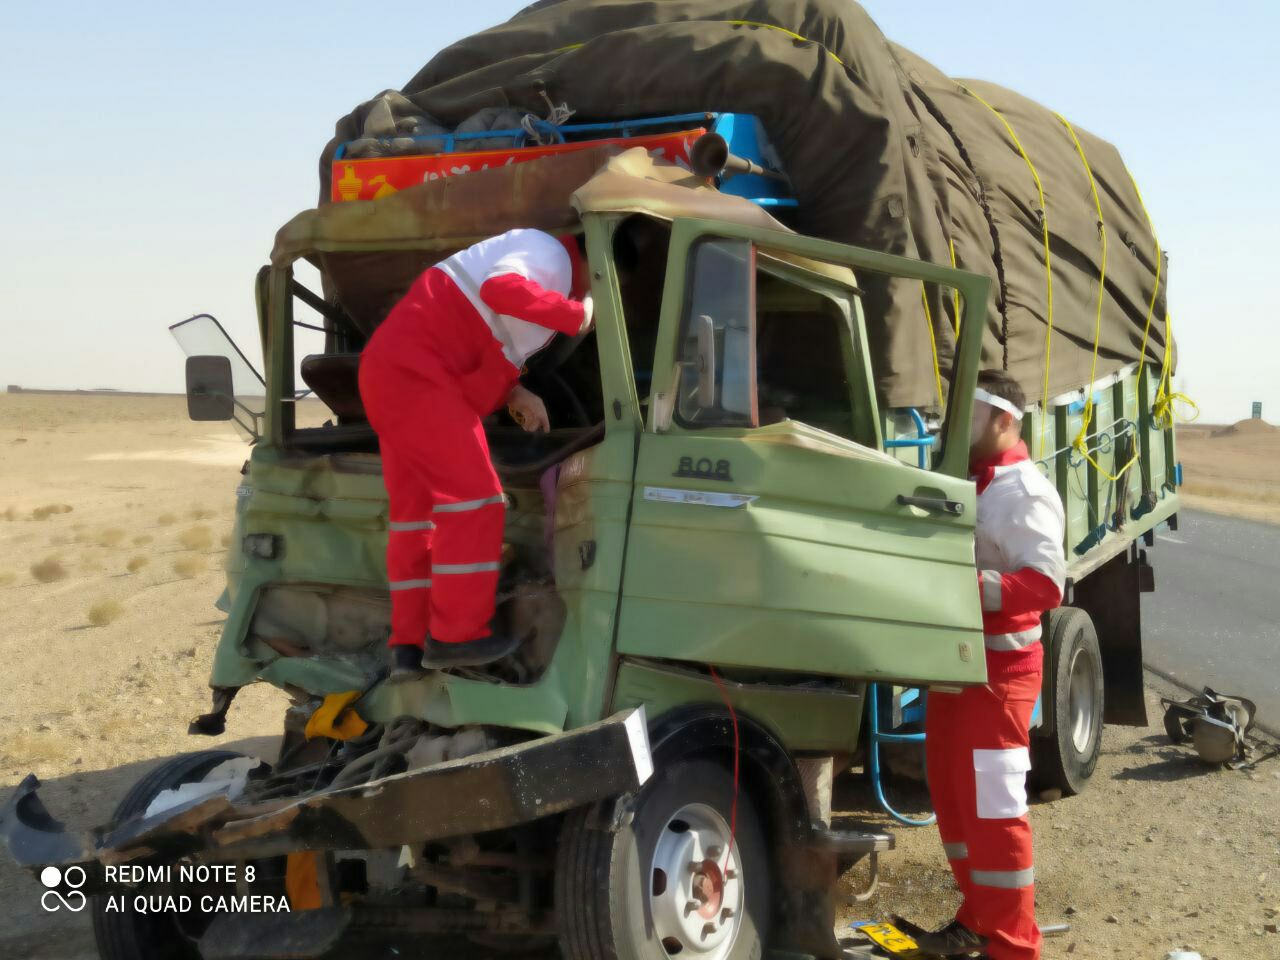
(1214,619)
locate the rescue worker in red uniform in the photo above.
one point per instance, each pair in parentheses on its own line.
(977,741)
(448,354)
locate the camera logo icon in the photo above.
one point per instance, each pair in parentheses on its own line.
(53,899)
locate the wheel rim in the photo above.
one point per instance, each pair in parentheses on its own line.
(696,885)
(1082,698)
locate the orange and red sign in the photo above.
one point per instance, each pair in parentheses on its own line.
(379,176)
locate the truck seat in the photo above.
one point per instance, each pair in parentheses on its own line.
(332,377)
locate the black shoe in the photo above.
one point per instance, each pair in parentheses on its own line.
(472,653)
(406,663)
(953,940)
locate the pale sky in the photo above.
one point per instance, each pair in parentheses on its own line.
(154,149)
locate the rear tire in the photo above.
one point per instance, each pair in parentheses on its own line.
(623,893)
(126,935)
(1065,759)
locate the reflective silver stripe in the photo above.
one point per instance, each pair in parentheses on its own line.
(399,525)
(1004,879)
(992,598)
(438,568)
(956,851)
(410,584)
(464,505)
(1012,641)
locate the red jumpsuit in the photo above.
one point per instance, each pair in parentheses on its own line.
(447,355)
(977,742)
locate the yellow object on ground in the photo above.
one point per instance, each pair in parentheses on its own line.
(333,718)
(300,881)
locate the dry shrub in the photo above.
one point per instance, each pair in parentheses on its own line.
(166,519)
(142,540)
(10,513)
(188,567)
(100,614)
(196,538)
(137,563)
(201,513)
(48,570)
(49,509)
(111,537)
(7,577)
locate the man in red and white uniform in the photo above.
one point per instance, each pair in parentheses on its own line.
(977,741)
(449,353)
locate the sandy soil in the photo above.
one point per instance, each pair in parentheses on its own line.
(1177,854)
(1233,470)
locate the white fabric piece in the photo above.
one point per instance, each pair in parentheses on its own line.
(227,778)
(1012,641)
(1001,778)
(532,254)
(992,597)
(1000,403)
(1021,524)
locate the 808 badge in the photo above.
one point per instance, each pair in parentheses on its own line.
(54,899)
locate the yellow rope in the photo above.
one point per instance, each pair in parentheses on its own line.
(1048,262)
(790,33)
(1151,307)
(933,344)
(1163,410)
(955,291)
(1081,442)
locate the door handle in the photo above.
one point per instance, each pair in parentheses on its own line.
(953,508)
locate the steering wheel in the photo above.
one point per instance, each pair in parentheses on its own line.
(545,366)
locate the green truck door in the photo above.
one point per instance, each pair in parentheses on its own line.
(767,530)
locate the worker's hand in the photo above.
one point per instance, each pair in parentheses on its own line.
(588,314)
(528,410)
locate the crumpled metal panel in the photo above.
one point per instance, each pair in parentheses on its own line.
(486,791)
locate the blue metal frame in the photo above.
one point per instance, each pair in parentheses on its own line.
(875,737)
(742,131)
(922,441)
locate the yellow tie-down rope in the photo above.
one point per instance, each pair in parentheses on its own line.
(1163,411)
(933,345)
(1048,261)
(1081,443)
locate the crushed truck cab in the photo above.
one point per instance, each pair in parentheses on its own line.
(719,544)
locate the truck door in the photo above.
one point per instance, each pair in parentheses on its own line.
(768,527)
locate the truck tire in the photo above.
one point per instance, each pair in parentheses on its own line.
(1065,758)
(621,892)
(126,935)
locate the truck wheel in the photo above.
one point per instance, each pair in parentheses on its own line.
(126,935)
(667,883)
(1065,758)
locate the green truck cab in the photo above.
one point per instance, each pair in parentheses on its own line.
(717,547)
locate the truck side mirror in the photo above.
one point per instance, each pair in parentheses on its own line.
(210,390)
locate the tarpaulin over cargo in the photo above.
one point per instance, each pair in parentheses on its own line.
(882,150)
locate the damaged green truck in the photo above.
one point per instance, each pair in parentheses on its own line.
(717,548)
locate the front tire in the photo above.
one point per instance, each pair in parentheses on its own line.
(126,935)
(1065,759)
(671,882)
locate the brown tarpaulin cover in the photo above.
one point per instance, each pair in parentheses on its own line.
(882,149)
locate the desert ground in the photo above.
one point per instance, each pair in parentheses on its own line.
(1234,470)
(115,512)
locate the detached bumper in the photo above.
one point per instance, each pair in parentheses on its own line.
(488,791)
